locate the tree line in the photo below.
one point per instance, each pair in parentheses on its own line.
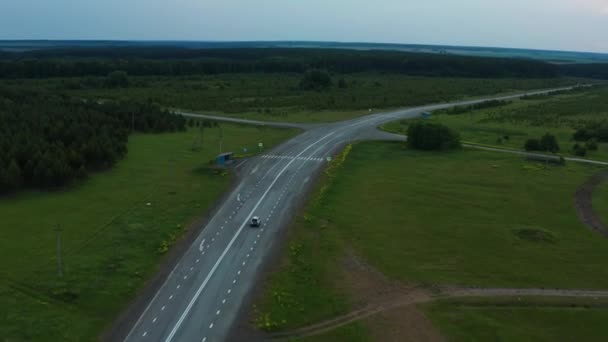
(169,61)
(48,140)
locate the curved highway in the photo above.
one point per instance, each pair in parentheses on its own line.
(202,296)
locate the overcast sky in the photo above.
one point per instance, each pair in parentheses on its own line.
(544,24)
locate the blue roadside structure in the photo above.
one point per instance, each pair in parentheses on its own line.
(426,115)
(224,159)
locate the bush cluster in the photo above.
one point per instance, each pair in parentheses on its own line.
(547,143)
(431,136)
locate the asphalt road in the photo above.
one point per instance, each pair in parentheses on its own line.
(201,298)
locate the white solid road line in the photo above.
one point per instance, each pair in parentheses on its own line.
(219,260)
(150,303)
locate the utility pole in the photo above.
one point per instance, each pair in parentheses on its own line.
(221,138)
(59,261)
(202,136)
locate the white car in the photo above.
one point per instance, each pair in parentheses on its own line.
(255,222)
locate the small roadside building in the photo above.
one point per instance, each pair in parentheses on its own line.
(224,159)
(426,115)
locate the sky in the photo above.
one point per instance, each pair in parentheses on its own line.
(580,25)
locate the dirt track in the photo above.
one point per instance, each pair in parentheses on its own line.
(584,207)
(400,297)
(415,296)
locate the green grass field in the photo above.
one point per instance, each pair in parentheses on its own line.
(559,115)
(470,322)
(113,241)
(353,332)
(277,97)
(471,218)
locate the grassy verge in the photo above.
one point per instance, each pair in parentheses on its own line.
(511,125)
(353,332)
(512,321)
(116,227)
(312,254)
(467,217)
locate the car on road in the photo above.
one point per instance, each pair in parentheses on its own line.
(255,222)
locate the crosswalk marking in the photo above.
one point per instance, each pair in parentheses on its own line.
(274,156)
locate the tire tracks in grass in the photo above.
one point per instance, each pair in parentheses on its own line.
(583,202)
(419,295)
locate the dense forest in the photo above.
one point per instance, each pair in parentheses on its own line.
(47,140)
(587,70)
(180,61)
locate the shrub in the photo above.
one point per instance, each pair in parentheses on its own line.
(117,79)
(583,134)
(602,133)
(549,143)
(591,145)
(546,143)
(431,136)
(315,79)
(579,150)
(532,145)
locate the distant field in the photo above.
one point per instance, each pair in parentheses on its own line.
(511,125)
(112,240)
(468,218)
(470,322)
(277,97)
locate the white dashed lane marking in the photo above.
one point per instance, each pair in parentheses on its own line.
(292,157)
(258,236)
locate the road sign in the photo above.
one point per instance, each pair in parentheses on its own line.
(260,145)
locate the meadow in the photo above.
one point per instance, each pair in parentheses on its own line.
(513,320)
(278,97)
(462,218)
(116,227)
(509,126)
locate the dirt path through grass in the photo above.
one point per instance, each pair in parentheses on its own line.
(584,206)
(416,295)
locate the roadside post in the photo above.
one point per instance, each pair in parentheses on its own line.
(221,138)
(59,261)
